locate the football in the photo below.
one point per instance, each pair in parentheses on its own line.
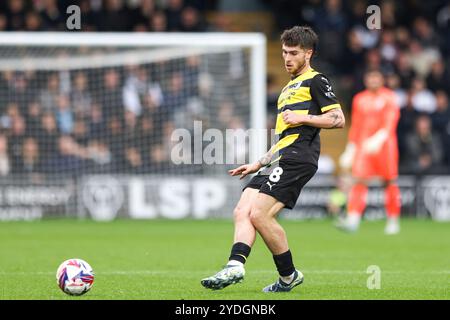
(75,277)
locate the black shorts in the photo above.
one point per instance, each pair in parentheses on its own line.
(283,181)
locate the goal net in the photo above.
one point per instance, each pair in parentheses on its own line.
(80,104)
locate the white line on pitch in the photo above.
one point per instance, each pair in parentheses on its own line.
(183,272)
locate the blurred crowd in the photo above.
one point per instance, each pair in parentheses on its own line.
(114,119)
(105,15)
(412,50)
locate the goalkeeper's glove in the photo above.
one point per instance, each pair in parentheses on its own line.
(346,159)
(375,142)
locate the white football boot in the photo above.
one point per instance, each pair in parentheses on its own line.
(230,274)
(392,226)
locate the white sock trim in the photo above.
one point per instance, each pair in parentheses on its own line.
(235,263)
(354,218)
(288,279)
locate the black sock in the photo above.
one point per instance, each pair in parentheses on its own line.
(239,252)
(284,263)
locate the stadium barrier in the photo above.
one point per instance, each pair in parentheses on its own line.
(108,197)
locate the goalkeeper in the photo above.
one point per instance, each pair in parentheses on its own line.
(372,151)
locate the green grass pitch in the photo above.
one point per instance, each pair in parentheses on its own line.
(164,259)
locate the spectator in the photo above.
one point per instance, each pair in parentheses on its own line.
(114,17)
(424,33)
(48,135)
(111,94)
(16,138)
(358,15)
(404,70)
(100,156)
(422,58)
(222,23)
(130,126)
(191,21)
(52,17)
(146,133)
(423,149)
(133,160)
(140,28)
(393,83)
(402,38)
(70,158)
(96,122)
(406,124)
(332,23)
(139,91)
(15,12)
(33,22)
(114,135)
(158,22)
(143,13)
(12,111)
(3,22)
(422,99)
(443,24)
(388,47)
(173,14)
(158,161)
(372,62)
(30,161)
(389,16)
(287,13)
(353,59)
(191,75)
(64,115)
(442,114)
(272,96)
(80,97)
(175,97)
(441,122)
(80,132)
(20,91)
(32,118)
(5,164)
(88,17)
(48,97)
(438,78)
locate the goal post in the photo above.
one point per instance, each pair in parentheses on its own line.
(98,109)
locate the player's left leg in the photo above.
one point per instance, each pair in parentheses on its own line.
(263,216)
(388,168)
(392,205)
(357,202)
(362,171)
(244,237)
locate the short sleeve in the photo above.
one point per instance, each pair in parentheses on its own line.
(323,94)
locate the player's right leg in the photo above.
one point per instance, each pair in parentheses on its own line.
(392,206)
(244,237)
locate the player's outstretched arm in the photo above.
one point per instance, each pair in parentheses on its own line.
(332,119)
(253,167)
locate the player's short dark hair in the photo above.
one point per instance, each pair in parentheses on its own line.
(373,70)
(302,36)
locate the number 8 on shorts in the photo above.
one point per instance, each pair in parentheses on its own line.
(276,174)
